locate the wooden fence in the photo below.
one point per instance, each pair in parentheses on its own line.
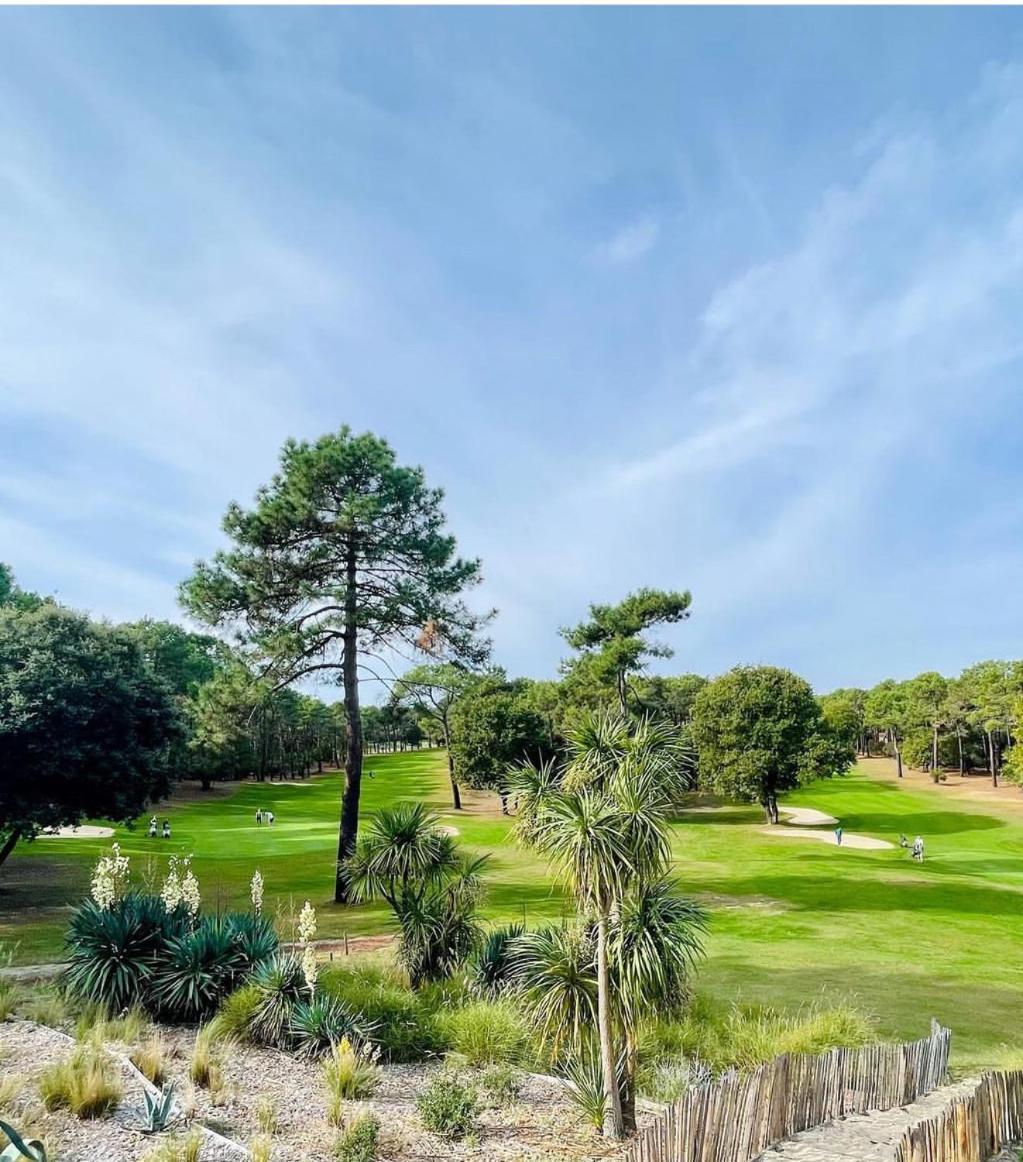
(736,1118)
(972,1128)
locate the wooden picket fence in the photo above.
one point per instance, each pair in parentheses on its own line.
(972,1128)
(737,1117)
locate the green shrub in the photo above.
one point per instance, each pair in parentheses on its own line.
(237,1012)
(281,984)
(502,1084)
(181,1148)
(10,996)
(449,1106)
(266,1116)
(585,1077)
(87,1083)
(402,1022)
(261,1148)
(484,1032)
(358,1140)
(320,1023)
(114,953)
(45,1005)
(136,952)
(492,968)
(349,1072)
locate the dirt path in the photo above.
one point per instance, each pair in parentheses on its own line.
(976,787)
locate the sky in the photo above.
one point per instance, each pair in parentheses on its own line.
(719,299)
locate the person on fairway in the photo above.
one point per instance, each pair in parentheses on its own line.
(166,829)
(259,816)
(152,828)
(269,819)
(918,849)
(838,834)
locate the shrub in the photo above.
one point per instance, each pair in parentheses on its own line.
(266,1116)
(150,1059)
(486,1031)
(10,995)
(448,1106)
(45,1006)
(158,1108)
(95,1024)
(358,1140)
(585,1078)
(401,1021)
(113,953)
(183,1148)
(502,1084)
(176,966)
(260,1148)
(236,1014)
(196,971)
(205,1067)
(320,1023)
(87,1083)
(281,985)
(492,969)
(349,1073)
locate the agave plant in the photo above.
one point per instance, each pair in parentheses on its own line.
(254,936)
(323,1022)
(33,1150)
(492,970)
(158,1107)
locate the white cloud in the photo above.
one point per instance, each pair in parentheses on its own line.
(630,243)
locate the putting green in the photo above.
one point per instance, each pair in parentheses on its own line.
(791,921)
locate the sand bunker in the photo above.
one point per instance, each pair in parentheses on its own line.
(83,832)
(863,842)
(806,817)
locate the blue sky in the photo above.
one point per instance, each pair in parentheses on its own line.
(719,299)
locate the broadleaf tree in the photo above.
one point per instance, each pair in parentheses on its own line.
(86,726)
(760,731)
(343,559)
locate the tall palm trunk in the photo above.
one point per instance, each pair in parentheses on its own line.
(613,1127)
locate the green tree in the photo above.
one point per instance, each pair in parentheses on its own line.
(926,697)
(844,712)
(343,556)
(885,709)
(492,728)
(85,725)
(990,688)
(611,640)
(601,817)
(12,594)
(760,732)
(432,690)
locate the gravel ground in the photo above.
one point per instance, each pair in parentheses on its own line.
(25,1050)
(541,1125)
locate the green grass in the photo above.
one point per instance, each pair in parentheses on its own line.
(793,921)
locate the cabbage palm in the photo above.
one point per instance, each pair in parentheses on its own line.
(604,824)
(406,858)
(556,972)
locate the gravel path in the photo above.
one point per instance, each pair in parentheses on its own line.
(865,1137)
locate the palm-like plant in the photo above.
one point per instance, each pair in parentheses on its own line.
(603,821)
(405,857)
(556,971)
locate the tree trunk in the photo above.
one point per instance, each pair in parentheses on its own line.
(629,1090)
(992,766)
(622,692)
(898,753)
(934,751)
(349,830)
(612,1099)
(9,843)
(962,760)
(456,797)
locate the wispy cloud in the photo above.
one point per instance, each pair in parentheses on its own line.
(630,243)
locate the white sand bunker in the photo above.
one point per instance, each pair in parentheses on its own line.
(806,817)
(863,842)
(84,832)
